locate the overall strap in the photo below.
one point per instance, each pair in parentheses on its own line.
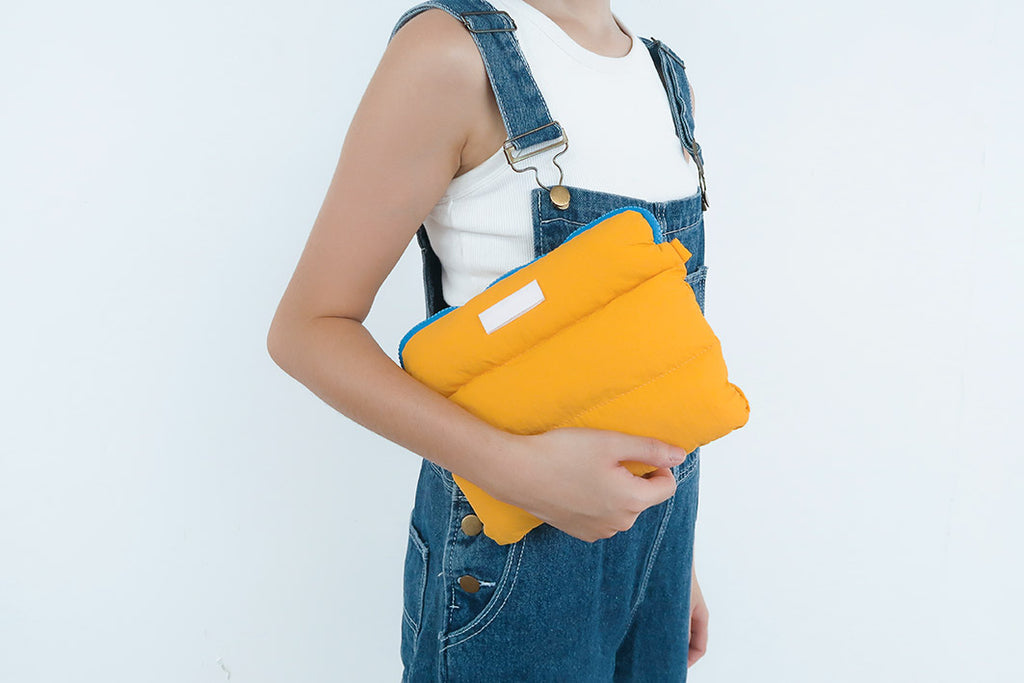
(673,76)
(523,109)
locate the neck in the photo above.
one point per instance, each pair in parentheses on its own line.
(593,17)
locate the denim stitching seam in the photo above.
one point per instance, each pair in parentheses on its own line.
(497,610)
(687,469)
(650,561)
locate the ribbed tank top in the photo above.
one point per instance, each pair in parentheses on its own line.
(622,139)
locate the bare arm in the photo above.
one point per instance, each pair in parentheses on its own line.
(403,146)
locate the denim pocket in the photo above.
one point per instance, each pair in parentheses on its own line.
(482,576)
(677,231)
(689,230)
(413,591)
(696,280)
(551,225)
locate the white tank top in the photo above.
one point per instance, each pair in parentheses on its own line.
(622,139)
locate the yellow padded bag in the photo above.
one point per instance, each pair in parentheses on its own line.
(603,331)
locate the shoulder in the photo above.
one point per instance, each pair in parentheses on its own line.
(437,77)
(437,45)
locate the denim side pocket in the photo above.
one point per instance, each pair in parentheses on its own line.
(413,592)
(696,280)
(482,575)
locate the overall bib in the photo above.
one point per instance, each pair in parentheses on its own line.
(551,607)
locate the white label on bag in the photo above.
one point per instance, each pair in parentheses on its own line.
(511,307)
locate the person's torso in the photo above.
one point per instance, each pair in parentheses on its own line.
(621,140)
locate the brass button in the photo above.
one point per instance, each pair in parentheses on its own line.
(559,196)
(469,583)
(471,525)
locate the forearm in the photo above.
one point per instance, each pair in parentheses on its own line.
(340,361)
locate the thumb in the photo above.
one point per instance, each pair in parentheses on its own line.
(657,486)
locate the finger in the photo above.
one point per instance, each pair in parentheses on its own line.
(658,485)
(651,451)
(698,635)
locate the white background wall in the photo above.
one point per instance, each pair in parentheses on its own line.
(174,508)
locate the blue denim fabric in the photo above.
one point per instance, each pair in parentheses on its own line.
(551,607)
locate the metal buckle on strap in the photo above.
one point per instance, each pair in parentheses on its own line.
(463,15)
(508,146)
(695,155)
(559,195)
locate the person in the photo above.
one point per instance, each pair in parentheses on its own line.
(606,587)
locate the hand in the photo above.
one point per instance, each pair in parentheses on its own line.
(573,479)
(698,622)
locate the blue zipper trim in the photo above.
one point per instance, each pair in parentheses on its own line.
(656,231)
(417,327)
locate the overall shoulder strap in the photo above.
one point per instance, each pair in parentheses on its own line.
(523,109)
(673,76)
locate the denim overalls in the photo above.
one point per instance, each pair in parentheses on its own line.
(551,607)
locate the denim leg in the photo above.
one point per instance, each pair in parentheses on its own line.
(655,648)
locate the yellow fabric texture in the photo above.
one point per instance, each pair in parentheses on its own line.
(618,342)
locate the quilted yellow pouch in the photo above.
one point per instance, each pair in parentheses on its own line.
(602,331)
